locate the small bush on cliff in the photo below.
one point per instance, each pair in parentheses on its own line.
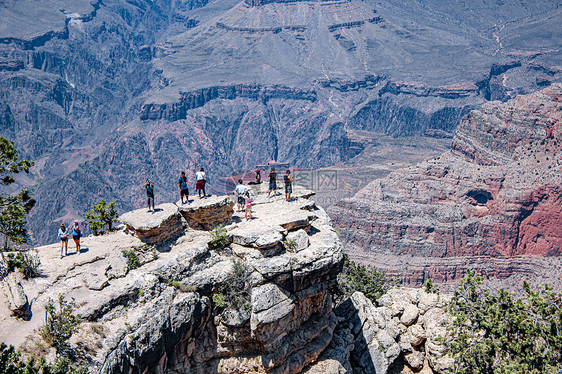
(101,216)
(133,261)
(500,333)
(27,262)
(219,239)
(10,363)
(372,282)
(234,292)
(60,324)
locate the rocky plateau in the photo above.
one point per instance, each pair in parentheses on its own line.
(163,317)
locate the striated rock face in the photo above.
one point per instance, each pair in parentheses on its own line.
(164,317)
(15,295)
(104,94)
(497,194)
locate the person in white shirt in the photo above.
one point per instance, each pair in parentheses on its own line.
(240,190)
(200,184)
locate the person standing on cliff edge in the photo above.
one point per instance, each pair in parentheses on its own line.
(184,191)
(288,185)
(149,186)
(272,182)
(200,184)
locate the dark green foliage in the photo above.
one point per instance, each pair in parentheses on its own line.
(234,292)
(133,261)
(101,216)
(430,287)
(501,334)
(27,262)
(60,324)
(219,239)
(10,363)
(372,282)
(13,208)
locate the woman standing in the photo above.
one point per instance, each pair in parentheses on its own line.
(76,234)
(200,184)
(63,236)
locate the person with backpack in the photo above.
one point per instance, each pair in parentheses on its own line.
(184,191)
(76,235)
(149,186)
(240,191)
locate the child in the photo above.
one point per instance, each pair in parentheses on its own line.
(248,202)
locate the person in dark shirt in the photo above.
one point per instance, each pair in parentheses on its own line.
(184,191)
(272,182)
(76,234)
(149,186)
(288,185)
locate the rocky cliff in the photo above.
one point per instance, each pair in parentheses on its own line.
(170,312)
(93,91)
(492,203)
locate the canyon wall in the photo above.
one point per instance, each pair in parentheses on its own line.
(103,95)
(493,203)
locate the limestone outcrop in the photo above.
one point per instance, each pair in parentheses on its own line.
(172,313)
(495,196)
(404,334)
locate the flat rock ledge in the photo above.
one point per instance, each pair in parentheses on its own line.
(165,316)
(207,213)
(158,226)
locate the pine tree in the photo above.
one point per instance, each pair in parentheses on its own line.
(13,208)
(100,216)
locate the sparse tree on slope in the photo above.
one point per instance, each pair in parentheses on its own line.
(13,208)
(501,334)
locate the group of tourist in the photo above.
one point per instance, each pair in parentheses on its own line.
(64,233)
(243,192)
(182,185)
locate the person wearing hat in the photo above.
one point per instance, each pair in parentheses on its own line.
(63,236)
(76,234)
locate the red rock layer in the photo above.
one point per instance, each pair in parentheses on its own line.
(497,193)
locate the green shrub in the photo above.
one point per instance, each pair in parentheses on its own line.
(133,261)
(100,216)
(10,363)
(290,244)
(27,262)
(501,333)
(234,292)
(430,287)
(219,238)
(372,282)
(60,324)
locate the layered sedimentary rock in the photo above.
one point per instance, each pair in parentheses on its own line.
(165,315)
(496,195)
(103,94)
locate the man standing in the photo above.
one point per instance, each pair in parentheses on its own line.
(288,185)
(240,190)
(149,186)
(272,182)
(201,181)
(184,191)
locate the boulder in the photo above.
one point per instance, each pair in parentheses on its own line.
(207,213)
(410,314)
(15,294)
(158,226)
